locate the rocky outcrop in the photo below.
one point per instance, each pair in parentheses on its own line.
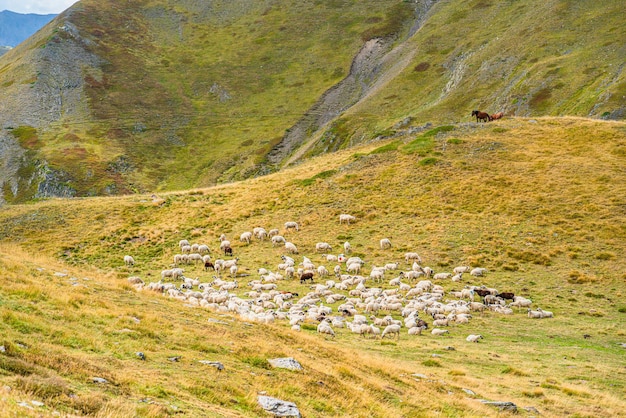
(47,87)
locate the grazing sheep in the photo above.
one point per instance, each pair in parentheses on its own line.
(246,237)
(535,314)
(278,239)
(292,225)
(347,247)
(186,249)
(457,277)
(291,247)
(323,246)
(203,248)
(306,276)
(385,243)
(545,314)
(521,302)
(478,272)
(273,232)
(473,338)
(442,276)
(391,266)
(507,295)
(129,260)
(322,271)
(233,271)
(437,331)
(390,330)
(344,217)
(461,269)
(416,330)
(224,243)
(354,268)
(324,328)
(182,243)
(173,273)
(412,257)
(228,251)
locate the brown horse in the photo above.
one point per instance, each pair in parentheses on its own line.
(497,116)
(485,117)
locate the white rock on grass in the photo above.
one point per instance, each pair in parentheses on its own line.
(279,407)
(285,363)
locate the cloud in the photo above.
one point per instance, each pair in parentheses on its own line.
(41,7)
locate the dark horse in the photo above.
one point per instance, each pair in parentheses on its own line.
(485,117)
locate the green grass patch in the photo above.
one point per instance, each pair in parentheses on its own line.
(513,371)
(256,361)
(392,146)
(431,363)
(323,175)
(428,161)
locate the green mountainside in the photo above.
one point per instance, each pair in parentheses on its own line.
(156,95)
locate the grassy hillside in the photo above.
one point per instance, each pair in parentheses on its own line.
(163,95)
(527,58)
(539,203)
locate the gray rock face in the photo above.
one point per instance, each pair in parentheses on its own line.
(285,363)
(278,407)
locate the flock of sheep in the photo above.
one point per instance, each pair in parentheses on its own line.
(342,297)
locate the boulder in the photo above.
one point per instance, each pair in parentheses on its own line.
(285,363)
(279,407)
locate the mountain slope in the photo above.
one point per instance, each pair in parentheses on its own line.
(158,95)
(532,200)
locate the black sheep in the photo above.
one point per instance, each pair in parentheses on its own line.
(305,277)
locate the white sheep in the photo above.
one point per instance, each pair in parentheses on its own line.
(354,268)
(278,239)
(245,237)
(324,328)
(391,266)
(390,330)
(182,243)
(535,314)
(347,247)
(462,269)
(322,271)
(225,243)
(416,330)
(344,217)
(203,248)
(521,302)
(292,225)
(442,276)
(478,271)
(385,243)
(437,331)
(186,249)
(473,338)
(273,232)
(129,260)
(291,247)
(545,314)
(412,257)
(323,246)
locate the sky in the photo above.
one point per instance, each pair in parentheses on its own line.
(40,7)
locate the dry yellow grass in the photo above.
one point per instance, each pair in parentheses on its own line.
(539,203)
